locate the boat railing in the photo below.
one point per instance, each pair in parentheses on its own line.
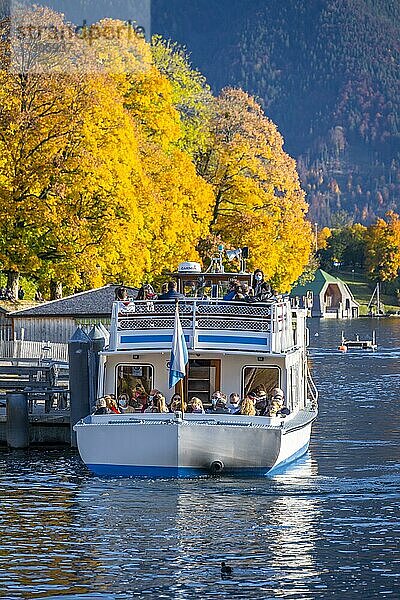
(207,324)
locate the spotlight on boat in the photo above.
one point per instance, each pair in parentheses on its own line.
(216,467)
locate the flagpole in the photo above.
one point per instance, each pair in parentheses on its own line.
(182,397)
(181,380)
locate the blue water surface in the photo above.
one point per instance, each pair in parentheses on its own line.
(327,527)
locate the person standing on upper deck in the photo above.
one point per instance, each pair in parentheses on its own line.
(172,293)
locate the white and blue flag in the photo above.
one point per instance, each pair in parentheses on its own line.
(179,353)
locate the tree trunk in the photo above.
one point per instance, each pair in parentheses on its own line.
(55,290)
(13,283)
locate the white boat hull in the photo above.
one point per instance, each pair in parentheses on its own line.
(156,445)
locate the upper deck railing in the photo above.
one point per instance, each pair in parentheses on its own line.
(207,325)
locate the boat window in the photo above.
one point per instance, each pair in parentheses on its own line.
(266,377)
(131,376)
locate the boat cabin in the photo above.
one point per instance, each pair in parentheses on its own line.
(233,346)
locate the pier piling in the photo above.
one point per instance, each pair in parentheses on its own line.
(17,430)
(79,348)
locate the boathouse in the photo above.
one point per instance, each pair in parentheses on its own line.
(57,320)
(326,296)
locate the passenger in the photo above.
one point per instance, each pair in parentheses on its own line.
(178,405)
(262,405)
(124,405)
(146,292)
(160,403)
(258,280)
(121,294)
(101,407)
(196,405)
(112,404)
(277,402)
(232,289)
(234,404)
(247,407)
(174,397)
(172,293)
(218,404)
(215,397)
(253,397)
(164,288)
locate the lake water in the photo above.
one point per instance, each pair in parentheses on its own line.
(328,527)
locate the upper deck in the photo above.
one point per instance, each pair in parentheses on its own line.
(208,325)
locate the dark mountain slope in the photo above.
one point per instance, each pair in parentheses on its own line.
(326,71)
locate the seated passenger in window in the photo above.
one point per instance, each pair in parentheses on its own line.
(247,407)
(196,405)
(233,404)
(262,404)
(178,405)
(101,407)
(112,404)
(218,403)
(171,400)
(124,405)
(276,403)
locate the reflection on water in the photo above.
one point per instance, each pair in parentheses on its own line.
(327,527)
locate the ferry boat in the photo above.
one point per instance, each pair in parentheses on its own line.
(232,346)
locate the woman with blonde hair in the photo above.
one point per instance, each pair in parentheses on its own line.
(160,403)
(247,407)
(196,405)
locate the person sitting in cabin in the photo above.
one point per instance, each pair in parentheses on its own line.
(233,404)
(276,403)
(124,404)
(146,292)
(247,407)
(161,405)
(112,404)
(175,397)
(101,407)
(218,403)
(262,404)
(196,405)
(178,405)
(172,293)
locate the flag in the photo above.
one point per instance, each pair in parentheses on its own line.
(179,353)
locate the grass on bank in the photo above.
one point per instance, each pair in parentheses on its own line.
(362,291)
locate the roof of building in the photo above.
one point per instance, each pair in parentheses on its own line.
(97,302)
(320,278)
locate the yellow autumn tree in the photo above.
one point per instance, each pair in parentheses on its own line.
(176,207)
(70,173)
(258,199)
(383,248)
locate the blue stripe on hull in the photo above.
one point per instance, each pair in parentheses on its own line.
(189,472)
(233,339)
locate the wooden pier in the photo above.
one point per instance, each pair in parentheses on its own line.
(358,344)
(45,388)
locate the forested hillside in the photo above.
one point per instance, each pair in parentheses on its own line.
(326,71)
